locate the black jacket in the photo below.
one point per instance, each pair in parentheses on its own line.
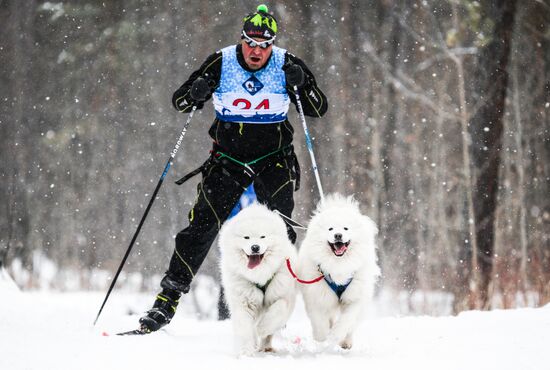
(250,141)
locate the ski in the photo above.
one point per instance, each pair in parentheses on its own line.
(140,331)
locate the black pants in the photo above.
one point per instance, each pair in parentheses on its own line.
(223,182)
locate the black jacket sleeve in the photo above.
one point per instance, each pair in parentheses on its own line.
(314,102)
(209,70)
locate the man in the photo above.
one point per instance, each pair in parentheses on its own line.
(252,86)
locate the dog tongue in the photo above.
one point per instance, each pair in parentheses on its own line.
(254,260)
(340,250)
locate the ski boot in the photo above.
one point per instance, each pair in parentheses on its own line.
(162,312)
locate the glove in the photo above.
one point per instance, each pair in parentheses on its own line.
(294,74)
(199,90)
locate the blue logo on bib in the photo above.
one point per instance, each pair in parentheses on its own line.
(253,85)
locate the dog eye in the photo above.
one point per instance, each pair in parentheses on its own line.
(330,229)
(262,237)
(247,237)
(345,228)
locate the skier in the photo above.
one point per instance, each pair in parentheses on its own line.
(251,84)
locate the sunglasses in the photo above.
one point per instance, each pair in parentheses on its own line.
(253,43)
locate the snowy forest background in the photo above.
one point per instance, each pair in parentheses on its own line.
(438,123)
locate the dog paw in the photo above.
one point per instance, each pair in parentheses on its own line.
(346,344)
(338,334)
(342,340)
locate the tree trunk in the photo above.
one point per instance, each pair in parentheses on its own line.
(486,130)
(465,293)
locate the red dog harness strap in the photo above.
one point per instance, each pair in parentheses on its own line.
(300,280)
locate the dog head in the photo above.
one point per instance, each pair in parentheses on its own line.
(253,237)
(339,236)
(339,231)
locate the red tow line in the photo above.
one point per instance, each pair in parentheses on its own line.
(298,279)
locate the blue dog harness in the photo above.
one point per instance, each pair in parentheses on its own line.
(338,289)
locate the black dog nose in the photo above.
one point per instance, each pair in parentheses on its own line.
(255,248)
(338,236)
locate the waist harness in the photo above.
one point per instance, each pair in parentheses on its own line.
(217,156)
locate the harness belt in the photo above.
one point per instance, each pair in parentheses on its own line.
(193,173)
(217,156)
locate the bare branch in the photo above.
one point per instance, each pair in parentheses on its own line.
(460,51)
(406,85)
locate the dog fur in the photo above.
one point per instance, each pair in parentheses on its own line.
(338,221)
(257,313)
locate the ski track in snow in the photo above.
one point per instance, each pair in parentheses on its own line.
(48,330)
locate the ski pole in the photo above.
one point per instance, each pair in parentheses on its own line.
(308,142)
(153,197)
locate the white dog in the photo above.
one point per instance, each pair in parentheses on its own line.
(259,290)
(339,244)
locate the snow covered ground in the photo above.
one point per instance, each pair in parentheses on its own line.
(46,330)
